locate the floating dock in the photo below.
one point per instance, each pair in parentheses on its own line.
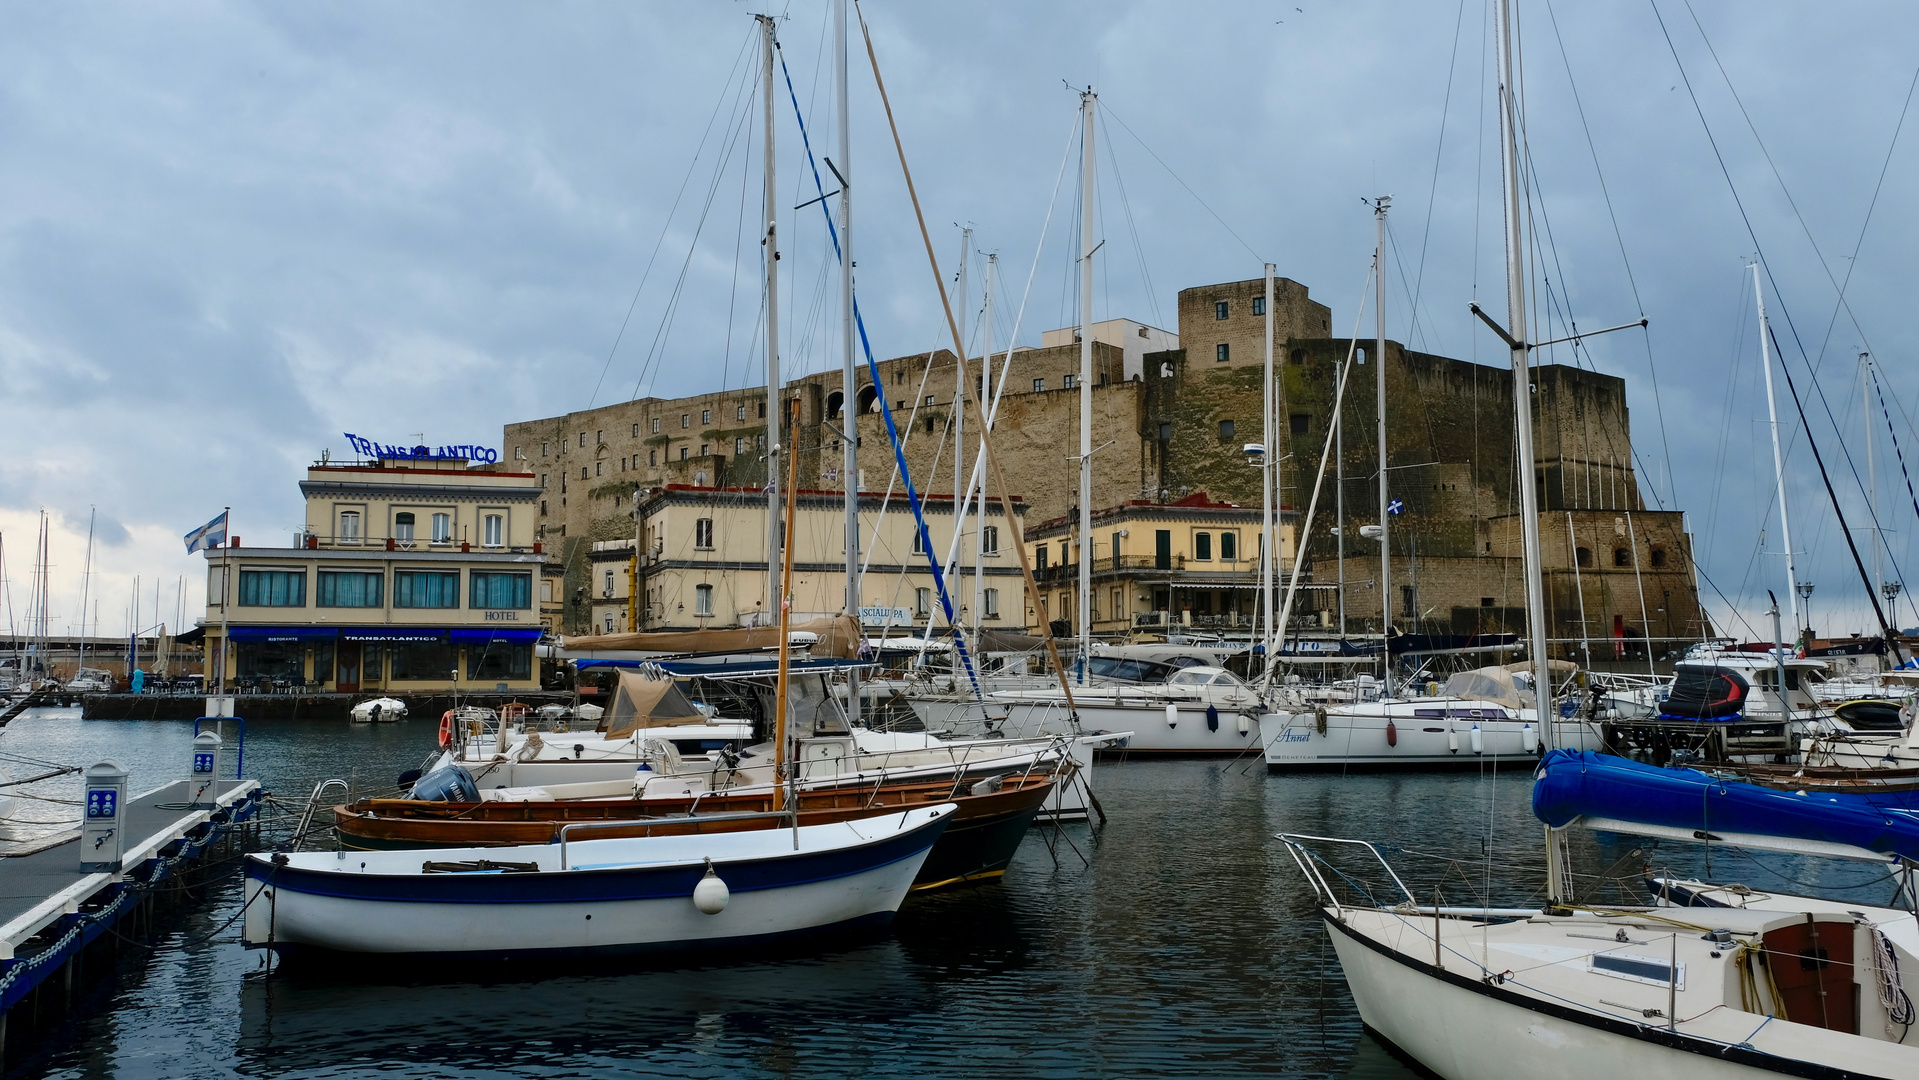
(301,706)
(51,911)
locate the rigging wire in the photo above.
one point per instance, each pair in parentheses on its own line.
(1432,190)
(667,225)
(1107,108)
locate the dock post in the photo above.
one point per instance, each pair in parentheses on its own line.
(204,787)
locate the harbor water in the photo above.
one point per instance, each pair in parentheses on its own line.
(1177,939)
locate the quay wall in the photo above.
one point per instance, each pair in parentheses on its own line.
(276,707)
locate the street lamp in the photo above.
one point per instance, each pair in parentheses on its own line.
(1805,594)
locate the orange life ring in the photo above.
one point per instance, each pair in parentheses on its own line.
(446,729)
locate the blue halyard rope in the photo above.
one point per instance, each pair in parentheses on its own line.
(892,432)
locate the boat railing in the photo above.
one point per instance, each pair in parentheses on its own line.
(648,823)
(313,805)
(1308,864)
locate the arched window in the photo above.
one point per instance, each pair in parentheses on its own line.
(403,526)
(1583,556)
(1658,557)
(1622,557)
(1299,357)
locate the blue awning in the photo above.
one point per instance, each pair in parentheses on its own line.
(282,633)
(488,633)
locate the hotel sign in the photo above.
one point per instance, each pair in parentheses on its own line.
(369,448)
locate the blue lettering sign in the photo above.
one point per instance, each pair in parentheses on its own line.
(202,763)
(370,449)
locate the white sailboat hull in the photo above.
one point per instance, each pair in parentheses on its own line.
(1294,741)
(1188,730)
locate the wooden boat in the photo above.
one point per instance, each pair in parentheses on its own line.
(580,897)
(992,819)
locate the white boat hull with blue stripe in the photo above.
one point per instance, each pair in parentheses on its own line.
(585,897)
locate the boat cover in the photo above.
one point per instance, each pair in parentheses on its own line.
(1706,693)
(838,636)
(645,702)
(1570,785)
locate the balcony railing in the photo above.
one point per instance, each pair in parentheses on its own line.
(1063,573)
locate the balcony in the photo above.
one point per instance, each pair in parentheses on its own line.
(1116,565)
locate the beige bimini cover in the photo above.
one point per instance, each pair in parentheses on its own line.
(838,636)
(641,702)
(1487,684)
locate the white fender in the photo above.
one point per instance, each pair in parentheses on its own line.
(1172,715)
(1479,741)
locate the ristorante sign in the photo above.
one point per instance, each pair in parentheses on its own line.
(371,449)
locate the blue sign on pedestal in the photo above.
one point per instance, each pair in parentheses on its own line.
(102,802)
(202,763)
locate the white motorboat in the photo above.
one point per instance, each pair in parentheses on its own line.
(1478,719)
(1195,710)
(380,710)
(720,890)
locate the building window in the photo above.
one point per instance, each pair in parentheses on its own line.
(1485,601)
(1658,557)
(342,588)
(932,399)
(1225,430)
(1203,546)
(656,425)
(349,526)
(1039,557)
(1165,433)
(424,661)
(702,449)
(1064,559)
(759,443)
(1069,382)
(443,528)
(739,412)
(403,528)
(683,451)
(1302,423)
(599,435)
(542,507)
(582,438)
(1621,557)
(703,600)
(686,420)
(989,540)
(1229,546)
(1582,555)
(706,416)
(703,534)
(1299,357)
(542,449)
(1259,305)
(599,468)
(582,472)
(739,447)
(609,583)
(622,464)
(652,457)
(919,540)
(762,410)
(923,602)
(273,588)
(426,588)
(992,604)
(495,530)
(542,481)
(1039,386)
(1222,352)
(1119,605)
(1219,309)
(636,431)
(609,622)
(497,660)
(498,591)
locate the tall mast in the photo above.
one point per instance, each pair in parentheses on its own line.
(959,406)
(771,257)
(1339,509)
(1379,378)
(1778,458)
(1522,382)
(1088,103)
(1872,476)
(86,578)
(1270,434)
(849,381)
(979,502)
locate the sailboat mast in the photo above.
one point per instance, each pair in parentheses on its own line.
(770,256)
(959,384)
(979,501)
(1088,103)
(1380,206)
(849,381)
(1522,383)
(1270,434)
(1872,475)
(86,578)
(1778,458)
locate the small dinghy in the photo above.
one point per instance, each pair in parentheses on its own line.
(378,711)
(580,897)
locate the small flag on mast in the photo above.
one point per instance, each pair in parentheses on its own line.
(1395,507)
(210,535)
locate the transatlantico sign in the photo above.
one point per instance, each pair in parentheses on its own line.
(369,448)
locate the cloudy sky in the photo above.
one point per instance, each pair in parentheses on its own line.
(231,232)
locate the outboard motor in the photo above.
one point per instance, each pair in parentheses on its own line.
(449,783)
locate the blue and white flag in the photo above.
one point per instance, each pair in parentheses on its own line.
(1395,507)
(210,535)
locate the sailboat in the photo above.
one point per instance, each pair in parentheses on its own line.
(1793,987)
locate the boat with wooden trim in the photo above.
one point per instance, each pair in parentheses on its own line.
(993,817)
